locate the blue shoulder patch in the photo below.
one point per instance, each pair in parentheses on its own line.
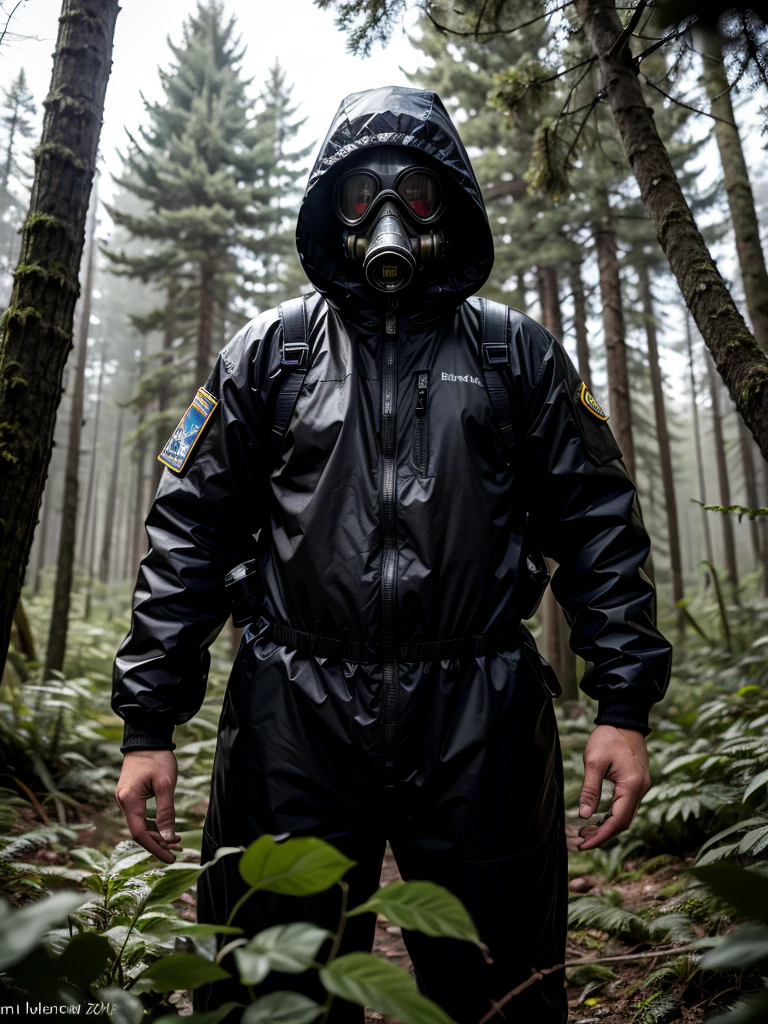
(178,447)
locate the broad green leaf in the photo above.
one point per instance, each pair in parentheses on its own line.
(752,1011)
(21,930)
(93,858)
(423,907)
(126,1008)
(746,891)
(201,930)
(738,827)
(746,946)
(174,881)
(282,1008)
(301,866)
(379,985)
(182,971)
(755,784)
(84,959)
(131,865)
(202,1017)
(289,948)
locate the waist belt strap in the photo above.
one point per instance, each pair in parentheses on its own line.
(506,638)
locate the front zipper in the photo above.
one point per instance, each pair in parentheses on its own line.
(389,529)
(421,428)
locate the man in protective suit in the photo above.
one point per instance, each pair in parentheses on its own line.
(431,448)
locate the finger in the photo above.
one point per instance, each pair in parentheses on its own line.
(591,790)
(136,819)
(166,817)
(625,803)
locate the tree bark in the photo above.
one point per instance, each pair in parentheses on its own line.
(93,516)
(164,391)
(205,324)
(739,359)
(757,524)
(36,330)
(556,630)
(580,323)
(741,201)
(697,444)
(83,545)
(729,540)
(665,449)
(614,330)
(65,563)
(109,515)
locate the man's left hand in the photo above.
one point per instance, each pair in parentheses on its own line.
(621,756)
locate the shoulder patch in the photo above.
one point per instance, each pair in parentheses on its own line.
(591,403)
(178,447)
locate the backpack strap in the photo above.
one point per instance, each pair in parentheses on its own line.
(495,354)
(294,363)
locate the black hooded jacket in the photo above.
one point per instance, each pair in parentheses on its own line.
(364,539)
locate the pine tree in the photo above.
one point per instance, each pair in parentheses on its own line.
(17,119)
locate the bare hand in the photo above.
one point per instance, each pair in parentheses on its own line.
(621,756)
(147,774)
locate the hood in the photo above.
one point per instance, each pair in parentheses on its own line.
(396,116)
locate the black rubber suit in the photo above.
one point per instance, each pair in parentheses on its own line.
(456,762)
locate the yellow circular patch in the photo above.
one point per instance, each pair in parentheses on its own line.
(591,403)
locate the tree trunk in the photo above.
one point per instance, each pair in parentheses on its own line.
(57,636)
(580,323)
(738,188)
(93,517)
(697,443)
(614,330)
(42,552)
(757,524)
(556,630)
(36,331)
(729,540)
(164,391)
(83,545)
(739,360)
(665,449)
(205,324)
(109,515)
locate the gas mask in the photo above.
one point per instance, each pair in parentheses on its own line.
(388,204)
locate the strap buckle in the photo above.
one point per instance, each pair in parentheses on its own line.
(495,353)
(301,350)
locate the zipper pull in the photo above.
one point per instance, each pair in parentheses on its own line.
(421,394)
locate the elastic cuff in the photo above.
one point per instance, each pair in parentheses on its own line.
(623,716)
(141,737)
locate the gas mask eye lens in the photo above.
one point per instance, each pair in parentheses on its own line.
(356,194)
(421,191)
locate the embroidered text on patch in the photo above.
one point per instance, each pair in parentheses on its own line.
(461,376)
(179,445)
(589,402)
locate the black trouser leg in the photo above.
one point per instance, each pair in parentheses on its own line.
(218,890)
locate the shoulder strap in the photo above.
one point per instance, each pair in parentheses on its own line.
(294,363)
(495,356)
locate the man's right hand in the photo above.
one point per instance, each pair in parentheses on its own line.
(147,774)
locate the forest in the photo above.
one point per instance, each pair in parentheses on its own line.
(621,152)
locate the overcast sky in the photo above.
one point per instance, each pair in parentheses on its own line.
(304,39)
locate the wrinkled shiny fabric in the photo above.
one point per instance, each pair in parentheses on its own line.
(383,526)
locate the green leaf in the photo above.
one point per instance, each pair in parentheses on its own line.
(126,1008)
(174,881)
(289,948)
(202,1017)
(282,1008)
(21,930)
(746,891)
(423,907)
(746,946)
(755,784)
(84,959)
(379,985)
(182,971)
(131,865)
(202,930)
(753,1011)
(301,866)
